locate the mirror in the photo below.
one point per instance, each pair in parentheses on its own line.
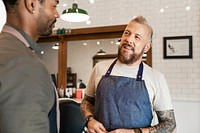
(80,55)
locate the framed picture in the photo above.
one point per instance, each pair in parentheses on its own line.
(179,47)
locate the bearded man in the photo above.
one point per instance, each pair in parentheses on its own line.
(123,95)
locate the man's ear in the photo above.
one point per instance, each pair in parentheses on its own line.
(30,5)
(147,47)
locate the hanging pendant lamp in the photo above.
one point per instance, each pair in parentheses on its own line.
(101,52)
(74,14)
(55,46)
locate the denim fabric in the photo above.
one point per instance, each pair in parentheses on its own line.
(122,102)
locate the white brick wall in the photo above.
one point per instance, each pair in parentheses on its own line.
(183,75)
(187,115)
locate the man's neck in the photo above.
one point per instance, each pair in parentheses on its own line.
(22,23)
(134,63)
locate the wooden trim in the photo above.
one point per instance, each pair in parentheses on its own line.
(62,63)
(97,30)
(149,57)
(87,34)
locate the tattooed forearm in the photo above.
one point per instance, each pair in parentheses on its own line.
(167,123)
(87,106)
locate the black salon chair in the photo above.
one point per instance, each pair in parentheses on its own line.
(71,120)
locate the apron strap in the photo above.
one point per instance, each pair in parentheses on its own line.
(110,68)
(139,74)
(140,71)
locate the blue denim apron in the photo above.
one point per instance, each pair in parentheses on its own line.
(122,102)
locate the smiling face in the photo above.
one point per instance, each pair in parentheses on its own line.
(135,41)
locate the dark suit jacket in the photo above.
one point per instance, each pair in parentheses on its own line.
(26,92)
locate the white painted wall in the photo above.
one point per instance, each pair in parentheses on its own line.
(2,15)
(187,114)
(50,57)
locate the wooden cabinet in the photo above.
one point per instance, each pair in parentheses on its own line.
(71,80)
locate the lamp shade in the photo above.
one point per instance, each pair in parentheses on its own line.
(118,41)
(55,46)
(74,14)
(101,52)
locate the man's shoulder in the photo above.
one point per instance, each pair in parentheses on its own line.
(10,42)
(11,49)
(151,72)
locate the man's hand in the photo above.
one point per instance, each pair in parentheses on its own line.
(95,127)
(123,131)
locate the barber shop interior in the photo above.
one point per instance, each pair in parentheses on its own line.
(81,40)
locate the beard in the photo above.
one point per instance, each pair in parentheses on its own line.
(129,58)
(45,25)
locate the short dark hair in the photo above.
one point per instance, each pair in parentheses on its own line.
(11,4)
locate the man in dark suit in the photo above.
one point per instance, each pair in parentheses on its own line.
(27,97)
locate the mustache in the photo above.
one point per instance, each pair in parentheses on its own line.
(127,46)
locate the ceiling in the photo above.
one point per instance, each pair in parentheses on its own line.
(114,12)
(117,12)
